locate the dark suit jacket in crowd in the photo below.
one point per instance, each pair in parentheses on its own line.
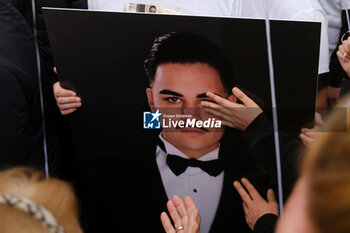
(59,145)
(20,113)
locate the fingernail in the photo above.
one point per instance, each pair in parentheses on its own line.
(235,90)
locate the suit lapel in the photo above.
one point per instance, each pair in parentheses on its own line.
(229,215)
(153,189)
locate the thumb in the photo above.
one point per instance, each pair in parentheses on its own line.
(271,196)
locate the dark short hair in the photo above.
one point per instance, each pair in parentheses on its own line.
(188,48)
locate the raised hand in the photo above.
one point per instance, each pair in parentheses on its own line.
(184,214)
(308,136)
(343,55)
(232,114)
(254,205)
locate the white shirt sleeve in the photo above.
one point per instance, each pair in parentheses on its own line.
(109,5)
(91,4)
(345,4)
(236,10)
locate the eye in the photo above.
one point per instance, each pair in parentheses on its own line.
(172,100)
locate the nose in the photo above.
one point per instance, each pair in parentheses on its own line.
(193,110)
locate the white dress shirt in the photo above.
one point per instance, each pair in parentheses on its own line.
(205,190)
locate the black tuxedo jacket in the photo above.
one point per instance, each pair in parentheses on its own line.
(124,191)
(140,197)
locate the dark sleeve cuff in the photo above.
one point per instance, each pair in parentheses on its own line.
(323,80)
(336,78)
(266,224)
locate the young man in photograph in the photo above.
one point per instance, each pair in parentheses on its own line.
(190,161)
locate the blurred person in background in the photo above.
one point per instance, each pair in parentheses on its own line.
(59,145)
(320,202)
(343,54)
(21,133)
(338,84)
(31,203)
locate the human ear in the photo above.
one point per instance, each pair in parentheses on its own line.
(150,100)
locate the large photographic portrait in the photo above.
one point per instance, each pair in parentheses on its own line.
(143,79)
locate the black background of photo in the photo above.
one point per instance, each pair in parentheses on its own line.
(100,55)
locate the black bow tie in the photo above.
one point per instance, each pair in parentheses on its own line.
(178,165)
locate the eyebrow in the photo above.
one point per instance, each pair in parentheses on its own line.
(203,95)
(169,92)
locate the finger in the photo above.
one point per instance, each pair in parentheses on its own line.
(68,111)
(348,43)
(271,196)
(69,106)
(219,114)
(193,222)
(252,191)
(180,206)
(303,130)
(241,191)
(345,46)
(66,100)
(168,227)
(308,141)
(341,49)
(242,97)
(220,100)
(174,213)
(227,123)
(342,55)
(312,134)
(55,70)
(217,107)
(189,204)
(61,92)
